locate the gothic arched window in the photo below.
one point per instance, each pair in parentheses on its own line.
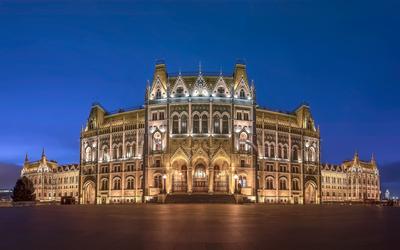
(129,150)
(183,124)
(88,154)
(269,183)
(282,184)
(158,181)
(105,155)
(295,153)
(114,152)
(104,184)
(266,150)
(242,181)
(204,124)
(120,152)
(242,141)
(130,183)
(217,125)
(280,151)
(117,184)
(158,94)
(295,184)
(157,142)
(225,125)
(196,124)
(272,153)
(242,94)
(285,152)
(175,124)
(311,154)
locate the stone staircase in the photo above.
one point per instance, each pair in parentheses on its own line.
(200,198)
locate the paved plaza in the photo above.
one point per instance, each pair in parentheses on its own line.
(200,226)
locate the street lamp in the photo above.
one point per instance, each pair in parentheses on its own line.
(236,180)
(164,181)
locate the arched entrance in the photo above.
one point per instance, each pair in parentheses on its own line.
(89,193)
(179,179)
(220,180)
(200,179)
(310,196)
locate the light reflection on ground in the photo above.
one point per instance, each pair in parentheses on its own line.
(199,226)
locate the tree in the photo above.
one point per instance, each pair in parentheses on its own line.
(24,190)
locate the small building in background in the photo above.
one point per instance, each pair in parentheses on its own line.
(51,181)
(352,181)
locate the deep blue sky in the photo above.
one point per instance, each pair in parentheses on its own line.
(343,58)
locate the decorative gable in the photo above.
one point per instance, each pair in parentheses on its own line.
(158,90)
(242,90)
(200,87)
(221,89)
(179,89)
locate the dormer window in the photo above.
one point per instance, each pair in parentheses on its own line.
(158,94)
(180,92)
(242,95)
(221,91)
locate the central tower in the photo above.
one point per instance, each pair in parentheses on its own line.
(200,133)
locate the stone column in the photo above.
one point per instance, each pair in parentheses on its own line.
(189,179)
(211,181)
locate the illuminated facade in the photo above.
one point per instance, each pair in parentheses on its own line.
(52,181)
(352,181)
(200,133)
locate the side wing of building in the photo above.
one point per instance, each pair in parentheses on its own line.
(51,181)
(289,156)
(111,157)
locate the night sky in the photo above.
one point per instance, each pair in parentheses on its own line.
(342,58)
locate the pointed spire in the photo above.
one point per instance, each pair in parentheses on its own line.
(44,159)
(373,158)
(220,70)
(356,158)
(26,157)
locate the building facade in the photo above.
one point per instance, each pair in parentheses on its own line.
(51,181)
(352,181)
(200,133)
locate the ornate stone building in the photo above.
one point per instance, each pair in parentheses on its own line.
(200,133)
(352,181)
(52,181)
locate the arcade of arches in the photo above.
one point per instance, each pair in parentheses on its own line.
(202,177)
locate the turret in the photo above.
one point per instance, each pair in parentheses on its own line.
(158,88)
(96,117)
(373,162)
(240,73)
(44,158)
(26,161)
(161,73)
(356,158)
(304,118)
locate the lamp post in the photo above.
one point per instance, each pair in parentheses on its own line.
(164,182)
(236,180)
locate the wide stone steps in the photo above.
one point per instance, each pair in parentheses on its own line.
(200,198)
